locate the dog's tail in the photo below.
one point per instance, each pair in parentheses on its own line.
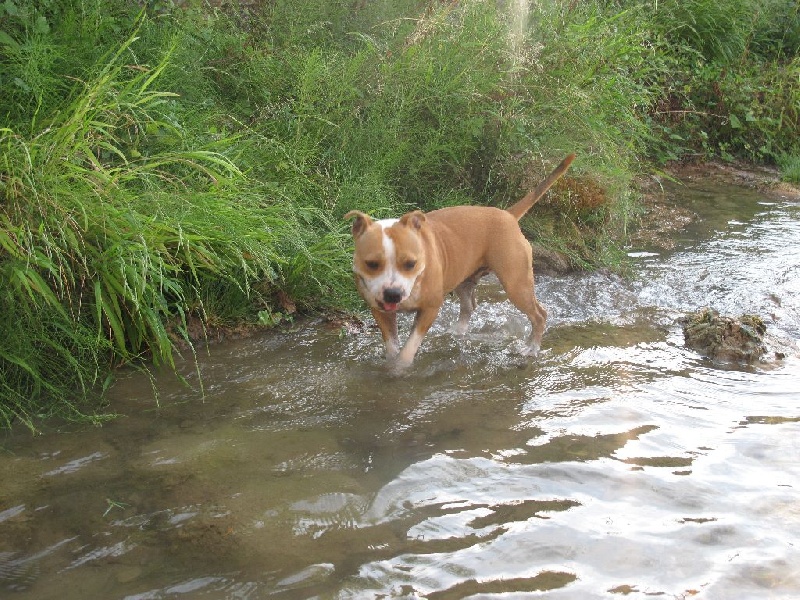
(524,205)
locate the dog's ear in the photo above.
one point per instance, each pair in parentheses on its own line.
(360,224)
(413,219)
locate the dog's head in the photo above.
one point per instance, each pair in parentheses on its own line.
(389,257)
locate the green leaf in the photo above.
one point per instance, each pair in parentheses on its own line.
(8,40)
(41,25)
(735,122)
(11,8)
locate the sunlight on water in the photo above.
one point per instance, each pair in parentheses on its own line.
(620,464)
(519,13)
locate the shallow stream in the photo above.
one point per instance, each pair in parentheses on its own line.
(617,465)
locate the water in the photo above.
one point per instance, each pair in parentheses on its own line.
(620,464)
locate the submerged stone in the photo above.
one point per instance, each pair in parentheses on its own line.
(724,338)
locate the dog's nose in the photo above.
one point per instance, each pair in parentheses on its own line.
(392,295)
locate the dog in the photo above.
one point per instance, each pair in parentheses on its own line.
(410,264)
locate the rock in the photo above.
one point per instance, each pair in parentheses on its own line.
(549,262)
(724,338)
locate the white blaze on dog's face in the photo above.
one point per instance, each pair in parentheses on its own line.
(388,260)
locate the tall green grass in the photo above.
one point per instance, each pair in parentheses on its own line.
(732,90)
(167,169)
(117,227)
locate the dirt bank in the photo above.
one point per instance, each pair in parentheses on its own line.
(660,218)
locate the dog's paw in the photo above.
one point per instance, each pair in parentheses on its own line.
(397,368)
(460,329)
(530,351)
(401,364)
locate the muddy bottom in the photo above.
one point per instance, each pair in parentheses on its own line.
(618,464)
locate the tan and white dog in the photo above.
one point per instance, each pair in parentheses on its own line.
(410,264)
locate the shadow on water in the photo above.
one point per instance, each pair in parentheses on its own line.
(618,463)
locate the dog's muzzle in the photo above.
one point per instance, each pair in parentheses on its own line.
(391,298)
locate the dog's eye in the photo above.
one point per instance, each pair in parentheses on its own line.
(409,265)
(372,265)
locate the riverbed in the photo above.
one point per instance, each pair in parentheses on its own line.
(619,464)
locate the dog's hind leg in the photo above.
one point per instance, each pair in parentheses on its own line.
(538,318)
(518,283)
(466,296)
(526,301)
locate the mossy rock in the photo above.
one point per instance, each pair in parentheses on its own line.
(723,338)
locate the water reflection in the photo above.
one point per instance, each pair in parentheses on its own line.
(619,463)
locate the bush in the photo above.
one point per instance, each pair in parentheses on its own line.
(733,89)
(120,220)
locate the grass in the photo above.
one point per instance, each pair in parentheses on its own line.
(163,168)
(790,167)
(117,228)
(732,89)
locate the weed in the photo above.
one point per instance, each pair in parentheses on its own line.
(790,167)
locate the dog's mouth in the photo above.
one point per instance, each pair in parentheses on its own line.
(388,306)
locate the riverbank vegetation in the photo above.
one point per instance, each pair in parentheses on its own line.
(168,167)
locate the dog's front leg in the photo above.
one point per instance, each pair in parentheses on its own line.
(387,322)
(422,322)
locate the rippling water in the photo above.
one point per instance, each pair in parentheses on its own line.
(620,464)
